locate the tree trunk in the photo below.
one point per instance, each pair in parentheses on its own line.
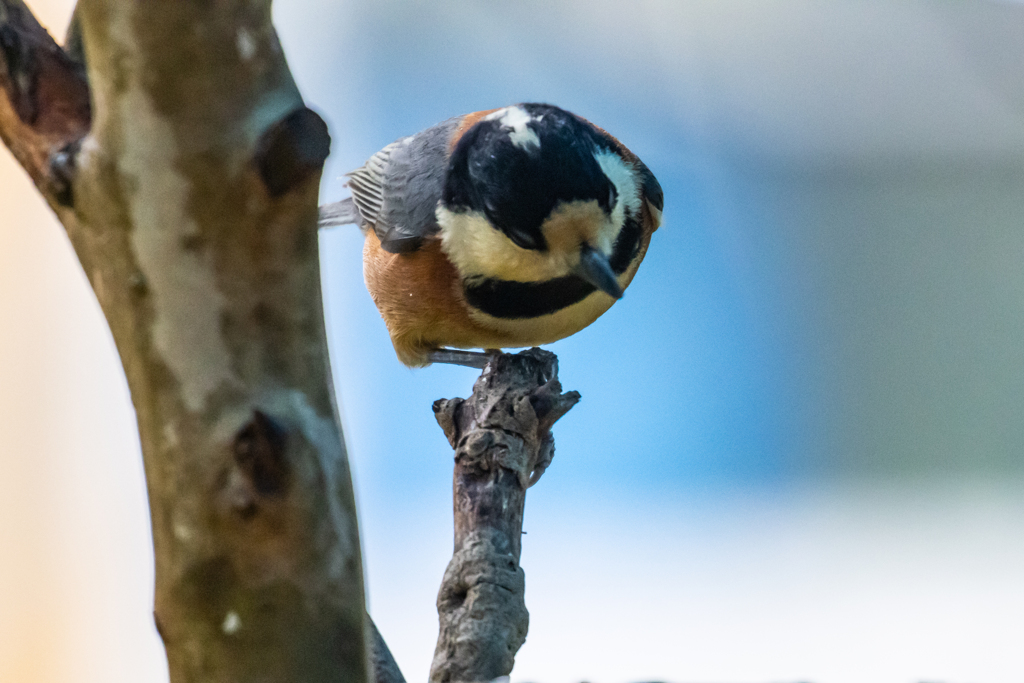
(185,168)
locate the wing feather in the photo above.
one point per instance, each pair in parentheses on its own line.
(367,185)
(339,213)
(397,190)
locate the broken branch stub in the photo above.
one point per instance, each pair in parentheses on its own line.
(502,445)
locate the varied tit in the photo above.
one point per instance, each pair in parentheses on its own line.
(505,228)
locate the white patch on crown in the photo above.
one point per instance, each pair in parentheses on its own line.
(516,118)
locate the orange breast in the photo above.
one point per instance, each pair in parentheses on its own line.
(420,298)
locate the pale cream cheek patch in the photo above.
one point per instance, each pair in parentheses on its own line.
(475,247)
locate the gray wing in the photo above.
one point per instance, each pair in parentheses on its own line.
(397,190)
(339,213)
(366,184)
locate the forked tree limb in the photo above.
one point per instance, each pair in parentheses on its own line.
(185,168)
(502,440)
(44,105)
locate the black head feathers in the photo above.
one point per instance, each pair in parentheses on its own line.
(517,164)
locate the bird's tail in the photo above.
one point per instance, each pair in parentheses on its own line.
(339,213)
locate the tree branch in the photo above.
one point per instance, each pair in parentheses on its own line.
(502,441)
(44,99)
(385,669)
(191,204)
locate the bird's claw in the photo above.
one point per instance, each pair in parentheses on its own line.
(469,359)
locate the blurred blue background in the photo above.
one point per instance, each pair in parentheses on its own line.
(800,452)
(833,310)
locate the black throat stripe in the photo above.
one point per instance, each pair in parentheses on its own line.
(511,300)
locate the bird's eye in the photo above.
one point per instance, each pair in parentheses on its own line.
(613,195)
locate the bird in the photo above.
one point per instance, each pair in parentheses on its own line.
(504,228)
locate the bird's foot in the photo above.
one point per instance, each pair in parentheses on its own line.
(469,359)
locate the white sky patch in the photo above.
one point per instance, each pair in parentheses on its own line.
(516,118)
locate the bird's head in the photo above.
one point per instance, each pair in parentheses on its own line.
(534,193)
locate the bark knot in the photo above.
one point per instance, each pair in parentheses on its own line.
(260,454)
(292,150)
(62,173)
(260,468)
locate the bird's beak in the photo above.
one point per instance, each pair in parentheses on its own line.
(595,269)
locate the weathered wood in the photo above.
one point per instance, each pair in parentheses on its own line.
(189,194)
(502,441)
